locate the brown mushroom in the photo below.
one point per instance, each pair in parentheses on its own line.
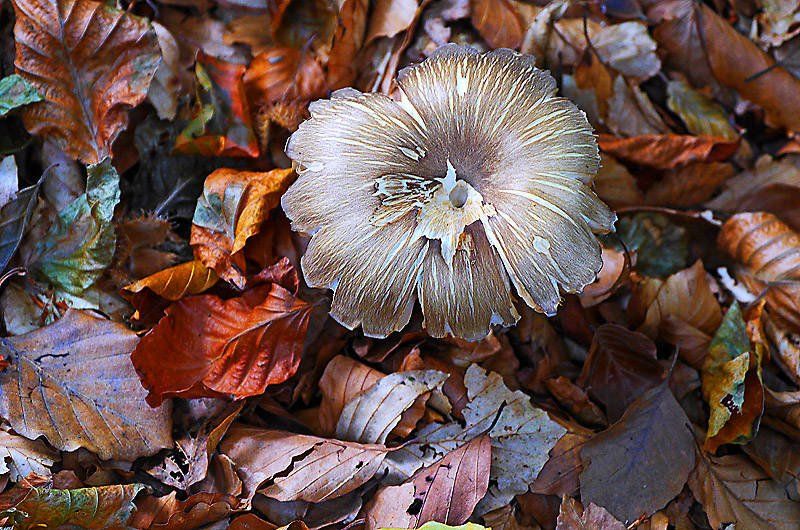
(476,173)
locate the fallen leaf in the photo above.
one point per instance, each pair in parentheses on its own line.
(631,113)
(666,151)
(88,76)
(572,516)
(93,398)
(250,521)
(233,206)
(732,383)
(628,48)
(341,381)
(709,50)
(390,17)
(176,282)
(768,251)
(80,245)
(777,454)
(220,124)
(734,490)
(16,91)
(20,457)
(104,507)
(169,513)
(701,115)
(621,366)
(169,79)
(615,185)
(498,22)
(657,300)
(15,216)
(640,463)
(521,436)
(689,185)
(287,467)
(559,476)
(348,38)
(371,415)
(613,275)
(284,74)
(207,346)
(660,245)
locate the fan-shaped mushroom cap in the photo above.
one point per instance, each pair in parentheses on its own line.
(475,175)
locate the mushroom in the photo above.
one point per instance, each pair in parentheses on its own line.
(474,177)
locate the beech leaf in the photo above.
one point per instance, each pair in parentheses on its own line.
(21,456)
(206,346)
(289,467)
(73,383)
(104,507)
(80,245)
(177,282)
(88,74)
(636,466)
(341,381)
(371,415)
(14,218)
(734,490)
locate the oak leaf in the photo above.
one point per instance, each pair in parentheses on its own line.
(90,62)
(73,382)
(206,346)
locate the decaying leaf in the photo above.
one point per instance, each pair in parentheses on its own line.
(14,218)
(16,91)
(81,243)
(341,381)
(734,490)
(176,282)
(732,383)
(521,437)
(207,346)
(104,507)
(572,516)
(88,75)
(371,415)
(660,245)
(640,463)
(289,467)
(21,457)
(73,383)
(700,114)
(667,151)
(769,252)
(231,210)
(167,512)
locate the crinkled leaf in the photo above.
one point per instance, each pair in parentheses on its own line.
(732,383)
(91,62)
(169,513)
(521,437)
(640,463)
(661,246)
(81,242)
(104,507)
(232,208)
(732,489)
(16,91)
(73,383)
(572,516)
(207,346)
(372,414)
(14,219)
(701,115)
(290,467)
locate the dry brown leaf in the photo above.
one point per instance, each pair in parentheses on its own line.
(169,513)
(342,379)
(372,414)
(73,383)
(631,113)
(233,206)
(689,185)
(89,75)
(390,17)
(613,275)
(20,457)
(559,476)
(734,490)
(615,185)
(348,38)
(572,516)
(290,467)
(498,22)
(283,75)
(769,252)
(666,151)
(708,49)
(640,463)
(653,301)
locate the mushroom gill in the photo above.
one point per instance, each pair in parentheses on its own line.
(474,175)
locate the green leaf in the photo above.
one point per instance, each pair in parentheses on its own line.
(14,219)
(98,508)
(15,91)
(81,242)
(661,246)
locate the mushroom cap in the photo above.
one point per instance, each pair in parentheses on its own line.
(474,175)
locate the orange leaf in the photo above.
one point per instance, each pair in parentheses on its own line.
(284,74)
(176,282)
(206,346)
(770,254)
(233,206)
(498,22)
(90,62)
(666,151)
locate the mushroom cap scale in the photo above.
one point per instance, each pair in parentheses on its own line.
(474,178)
